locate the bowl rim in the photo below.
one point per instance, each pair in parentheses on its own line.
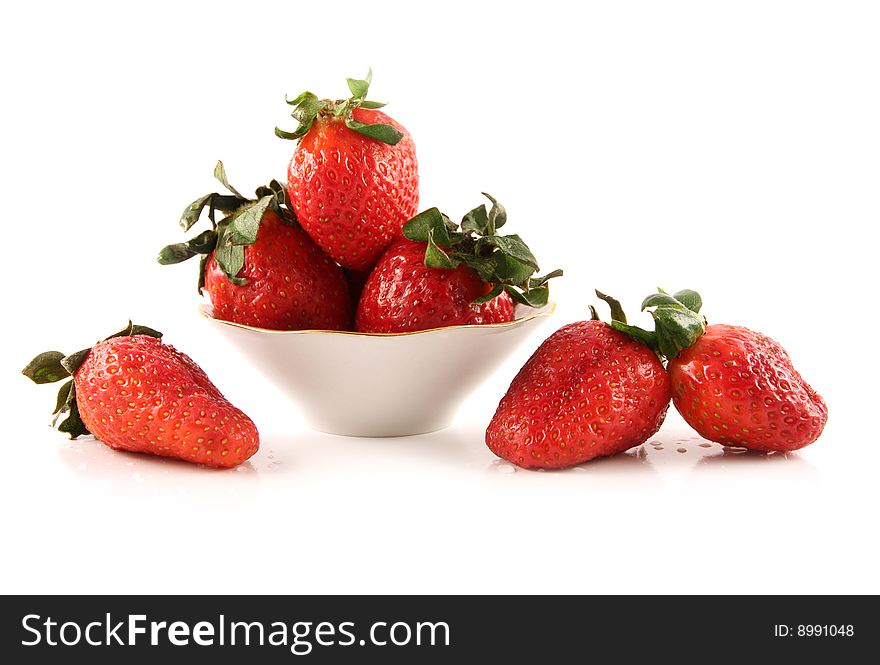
(547,310)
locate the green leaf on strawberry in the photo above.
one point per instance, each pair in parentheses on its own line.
(385,133)
(53,366)
(289,136)
(62,403)
(220,174)
(203,243)
(514,247)
(476,220)
(497,215)
(229,256)
(436,257)
(510,270)
(646,337)
(307,110)
(484,265)
(491,295)
(245,223)
(617,313)
(677,328)
(661,299)
(308,107)
(72,362)
(504,262)
(214,201)
(73,425)
(194,210)
(135,329)
(533,298)
(690,299)
(359,87)
(677,321)
(618,322)
(535,282)
(46,368)
(228,237)
(427,224)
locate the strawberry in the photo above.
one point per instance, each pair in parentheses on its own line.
(353,179)
(404,295)
(588,391)
(259,267)
(733,385)
(137,394)
(440,276)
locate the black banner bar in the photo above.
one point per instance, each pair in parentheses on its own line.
(433,629)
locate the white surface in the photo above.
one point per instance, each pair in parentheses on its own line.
(731,148)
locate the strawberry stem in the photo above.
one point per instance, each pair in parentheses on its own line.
(677,321)
(228,237)
(504,262)
(52,366)
(308,107)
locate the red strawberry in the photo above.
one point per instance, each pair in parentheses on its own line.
(439,276)
(403,295)
(733,385)
(588,391)
(259,267)
(353,179)
(137,394)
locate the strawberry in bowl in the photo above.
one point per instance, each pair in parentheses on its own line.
(258,266)
(353,178)
(442,274)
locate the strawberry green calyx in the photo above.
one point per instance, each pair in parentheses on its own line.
(228,237)
(308,107)
(618,322)
(52,366)
(504,262)
(677,321)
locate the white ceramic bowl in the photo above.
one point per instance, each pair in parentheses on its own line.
(359,384)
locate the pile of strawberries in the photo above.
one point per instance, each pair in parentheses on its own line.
(340,246)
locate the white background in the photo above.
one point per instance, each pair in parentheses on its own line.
(733,148)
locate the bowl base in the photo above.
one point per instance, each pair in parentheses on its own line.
(380,433)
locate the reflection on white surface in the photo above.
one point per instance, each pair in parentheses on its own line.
(140,475)
(673,455)
(669,455)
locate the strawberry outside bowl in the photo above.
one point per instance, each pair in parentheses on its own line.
(377,385)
